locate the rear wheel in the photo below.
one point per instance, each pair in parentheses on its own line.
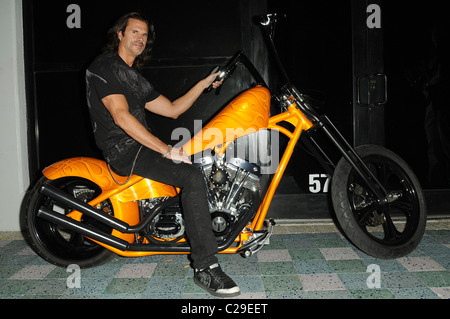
(388,228)
(55,244)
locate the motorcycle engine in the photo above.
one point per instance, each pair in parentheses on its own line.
(230,185)
(167,225)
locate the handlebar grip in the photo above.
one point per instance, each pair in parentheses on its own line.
(217,68)
(227,70)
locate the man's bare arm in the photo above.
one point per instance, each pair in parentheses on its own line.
(117,106)
(163,106)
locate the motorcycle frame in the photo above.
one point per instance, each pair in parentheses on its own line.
(123,198)
(122,240)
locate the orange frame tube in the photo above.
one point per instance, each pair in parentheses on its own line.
(301,123)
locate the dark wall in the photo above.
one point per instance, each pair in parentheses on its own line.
(191,38)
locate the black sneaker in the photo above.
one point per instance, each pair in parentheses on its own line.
(216,282)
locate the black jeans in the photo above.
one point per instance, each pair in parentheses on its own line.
(189,179)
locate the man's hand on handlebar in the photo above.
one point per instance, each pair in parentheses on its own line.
(210,80)
(213,81)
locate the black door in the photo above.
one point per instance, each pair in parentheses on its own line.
(417,113)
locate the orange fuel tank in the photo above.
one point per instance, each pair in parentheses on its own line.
(247,114)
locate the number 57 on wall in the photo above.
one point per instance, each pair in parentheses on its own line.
(319,183)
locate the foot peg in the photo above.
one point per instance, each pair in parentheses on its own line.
(259,239)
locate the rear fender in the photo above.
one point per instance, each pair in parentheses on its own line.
(97,171)
(92,169)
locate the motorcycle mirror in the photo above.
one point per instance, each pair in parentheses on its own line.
(269,21)
(271,18)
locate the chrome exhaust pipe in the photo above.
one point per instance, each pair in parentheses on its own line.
(110,240)
(83,229)
(67,200)
(104,238)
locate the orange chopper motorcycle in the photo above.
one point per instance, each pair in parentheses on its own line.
(81,213)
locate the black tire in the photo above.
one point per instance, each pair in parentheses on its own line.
(56,245)
(381,229)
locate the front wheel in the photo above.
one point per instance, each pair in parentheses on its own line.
(388,228)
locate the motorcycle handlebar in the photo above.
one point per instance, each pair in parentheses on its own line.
(268,21)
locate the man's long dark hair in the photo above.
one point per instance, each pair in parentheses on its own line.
(121,24)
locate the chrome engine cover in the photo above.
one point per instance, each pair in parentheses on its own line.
(230,186)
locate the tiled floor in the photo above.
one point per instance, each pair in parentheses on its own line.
(294,265)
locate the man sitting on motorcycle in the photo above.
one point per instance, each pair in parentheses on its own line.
(117,97)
